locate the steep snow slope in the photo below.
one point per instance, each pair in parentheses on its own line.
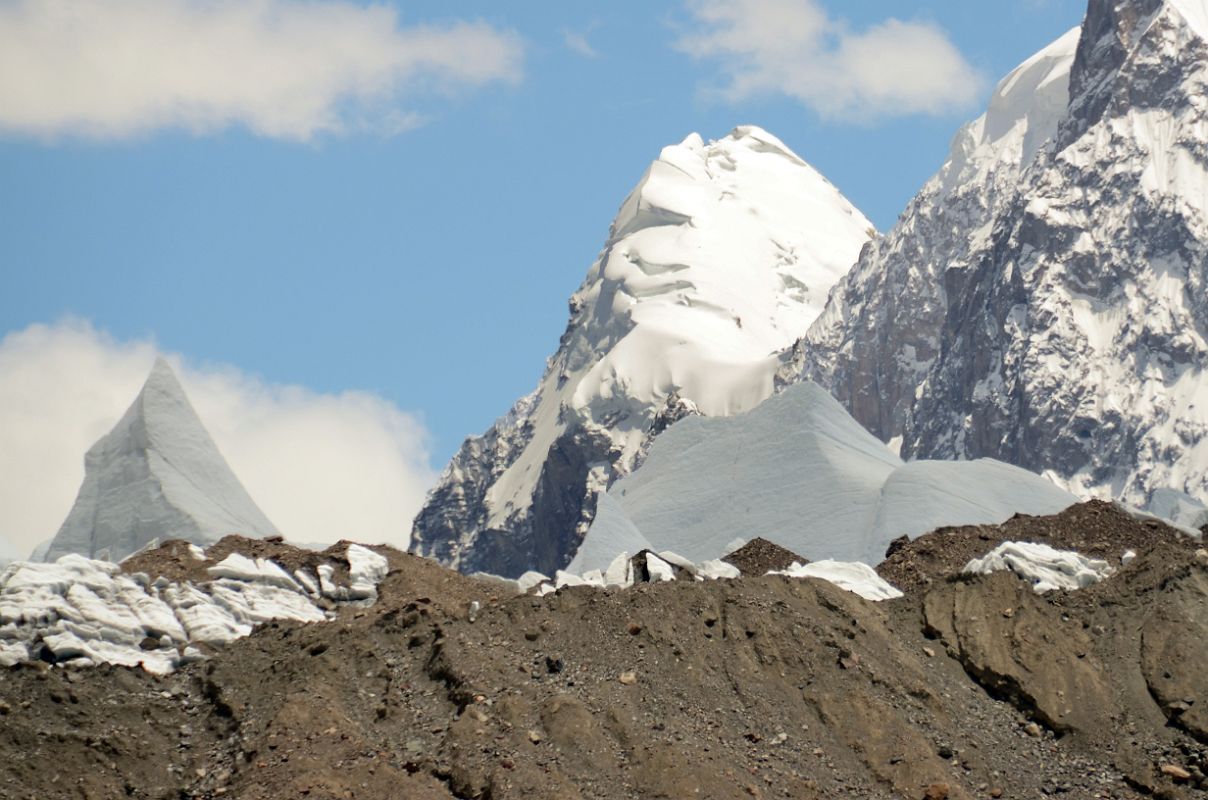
(720,258)
(1052,314)
(882,328)
(157,475)
(800,472)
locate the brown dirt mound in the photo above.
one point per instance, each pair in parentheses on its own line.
(759,687)
(174,561)
(409,575)
(759,556)
(1096,528)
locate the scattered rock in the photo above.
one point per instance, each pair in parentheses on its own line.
(1175,772)
(937,791)
(629,678)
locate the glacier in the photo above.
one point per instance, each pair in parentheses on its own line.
(1046,568)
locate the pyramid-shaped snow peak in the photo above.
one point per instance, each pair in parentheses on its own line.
(157,475)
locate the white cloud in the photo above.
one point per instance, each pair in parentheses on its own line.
(577,43)
(321,466)
(793,48)
(283,69)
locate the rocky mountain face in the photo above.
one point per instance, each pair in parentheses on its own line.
(156,475)
(882,328)
(1042,301)
(716,262)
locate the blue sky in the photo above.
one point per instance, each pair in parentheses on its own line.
(426,256)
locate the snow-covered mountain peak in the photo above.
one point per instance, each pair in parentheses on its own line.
(1041,301)
(156,475)
(1027,105)
(893,299)
(722,254)
(162,412)
(721,257)
(1132,58)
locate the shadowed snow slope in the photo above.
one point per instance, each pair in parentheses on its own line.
(721,257)
(800,472)
(156,476)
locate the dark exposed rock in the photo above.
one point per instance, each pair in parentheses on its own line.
(759,556)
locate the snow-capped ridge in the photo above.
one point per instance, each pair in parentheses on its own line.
(1028,104)
(1041,300)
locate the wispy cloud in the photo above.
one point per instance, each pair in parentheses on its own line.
(577,43)
(282,69)
(794,48)
(321,466)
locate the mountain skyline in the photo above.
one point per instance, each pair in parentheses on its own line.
(137,308)
(803,501)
